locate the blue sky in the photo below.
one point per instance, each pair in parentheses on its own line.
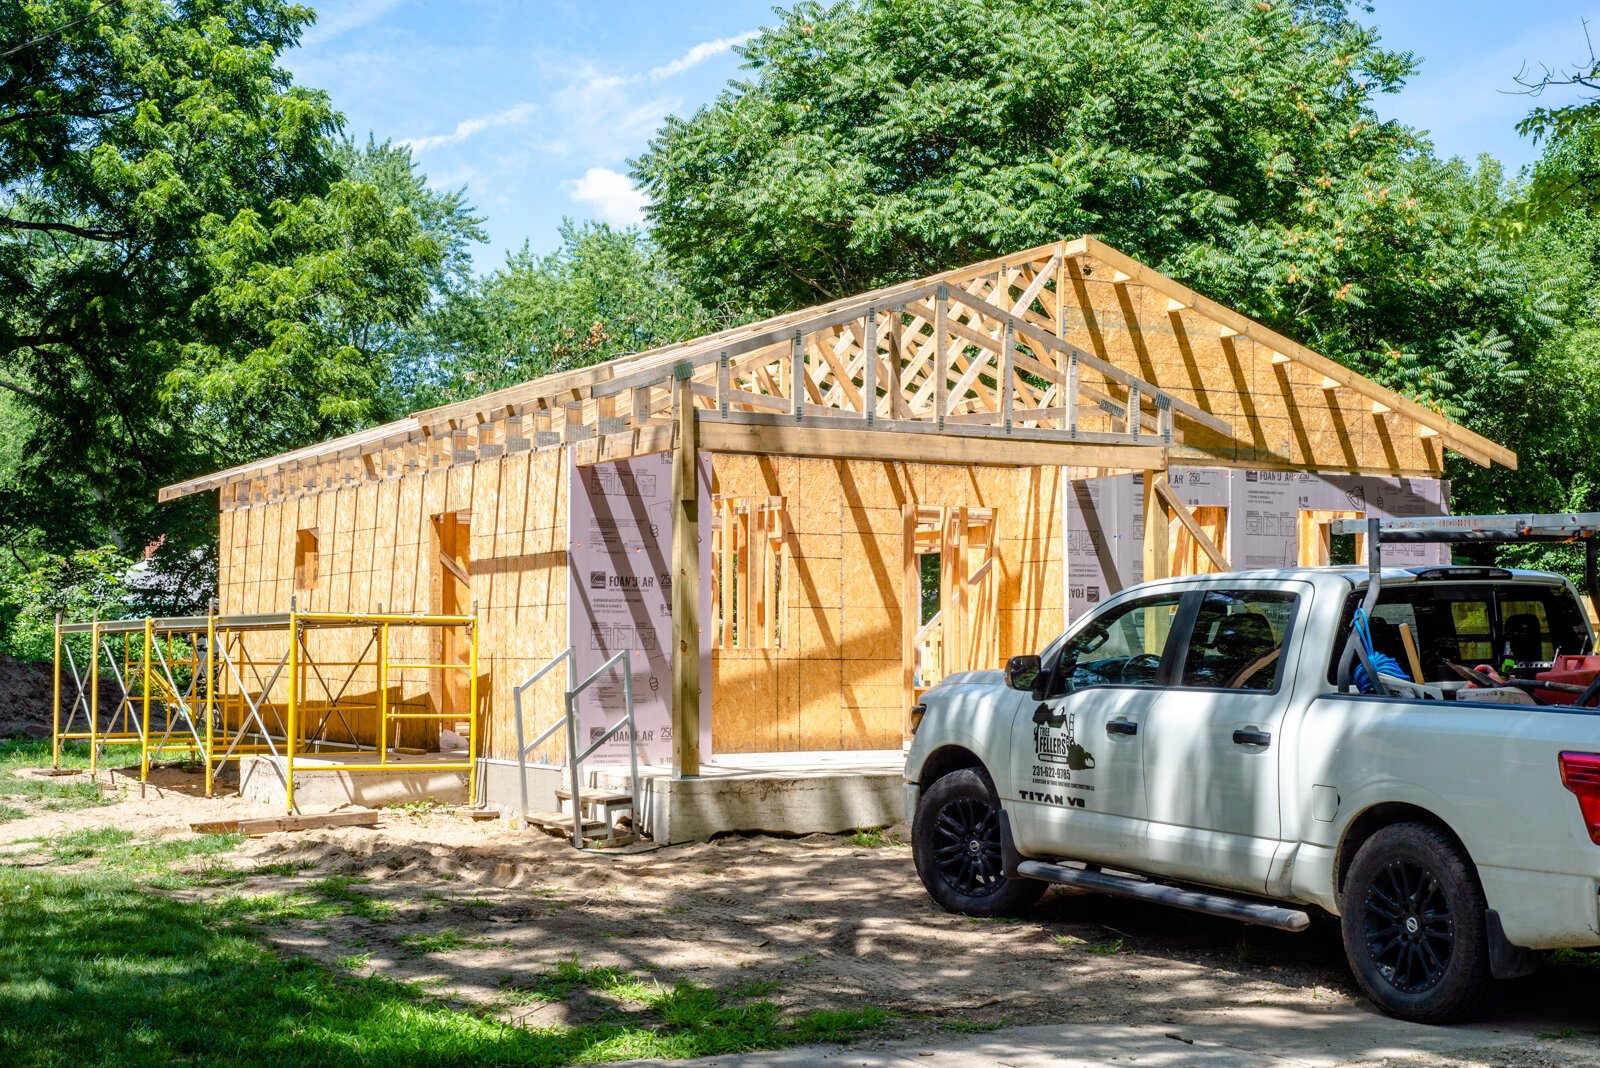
(536,105)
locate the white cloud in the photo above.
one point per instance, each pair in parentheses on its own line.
(699,54)
(469,127)
(611,195)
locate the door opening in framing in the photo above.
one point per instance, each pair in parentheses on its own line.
(950,590)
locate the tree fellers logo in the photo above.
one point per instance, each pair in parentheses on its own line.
(1054,742)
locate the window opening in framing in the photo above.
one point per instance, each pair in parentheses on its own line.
(305,558)
(1315,544)
(1184,555)
(748,592)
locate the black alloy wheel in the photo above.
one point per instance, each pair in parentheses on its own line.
(966,834)
(1410,930)
(1415,925)
(956,842)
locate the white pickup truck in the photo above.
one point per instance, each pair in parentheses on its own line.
(1190,742)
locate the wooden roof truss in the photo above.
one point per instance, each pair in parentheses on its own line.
(977,365)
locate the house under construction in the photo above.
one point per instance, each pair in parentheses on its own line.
(791,527)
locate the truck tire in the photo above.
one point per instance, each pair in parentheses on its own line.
(1414,927)
(955,841)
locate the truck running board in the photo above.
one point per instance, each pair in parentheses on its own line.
(1212,904)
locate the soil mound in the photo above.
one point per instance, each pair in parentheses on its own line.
(25,694)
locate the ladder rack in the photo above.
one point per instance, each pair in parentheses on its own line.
(1511,529)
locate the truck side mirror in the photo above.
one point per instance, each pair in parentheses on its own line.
(1022,672)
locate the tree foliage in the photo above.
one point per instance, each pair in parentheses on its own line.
(193,270)
(79,586)
(603,292)
(1235,146)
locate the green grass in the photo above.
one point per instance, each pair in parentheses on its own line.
(100,966)
(1585,959)
(428,806)
(98,970)
(19,753)
(324,900)
(158,862)
(875,839)
(9,813)
(339,892)
(445,940)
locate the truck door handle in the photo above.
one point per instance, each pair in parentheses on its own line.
(1243,737)
(1121,726)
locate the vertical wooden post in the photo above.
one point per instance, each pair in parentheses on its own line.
(728,580)
(747,577)
(770,530)
(798,379)
(1008,351)
(1156,519)
(962,630)
(1072,395)
(941,355)
(911,621)
(869,372)
(1156,564)
(685,585)
(949,604)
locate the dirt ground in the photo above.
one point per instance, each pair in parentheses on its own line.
(827,922)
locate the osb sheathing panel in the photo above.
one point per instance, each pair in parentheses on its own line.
(377,550)
(837,681)
(1279,412)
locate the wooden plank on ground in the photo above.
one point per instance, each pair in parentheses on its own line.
(272,824)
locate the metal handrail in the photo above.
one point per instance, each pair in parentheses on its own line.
(569,720)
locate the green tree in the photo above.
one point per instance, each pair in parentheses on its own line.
(883,139)
(78,586)
(602,293)
(193,271)
(1233,145)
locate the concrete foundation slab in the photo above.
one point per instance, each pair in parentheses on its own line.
(263,779)
(775,793)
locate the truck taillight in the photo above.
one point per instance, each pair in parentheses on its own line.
(1580,773)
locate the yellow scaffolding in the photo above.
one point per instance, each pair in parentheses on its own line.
(223,688)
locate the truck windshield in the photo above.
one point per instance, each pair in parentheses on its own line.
(1433,624)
